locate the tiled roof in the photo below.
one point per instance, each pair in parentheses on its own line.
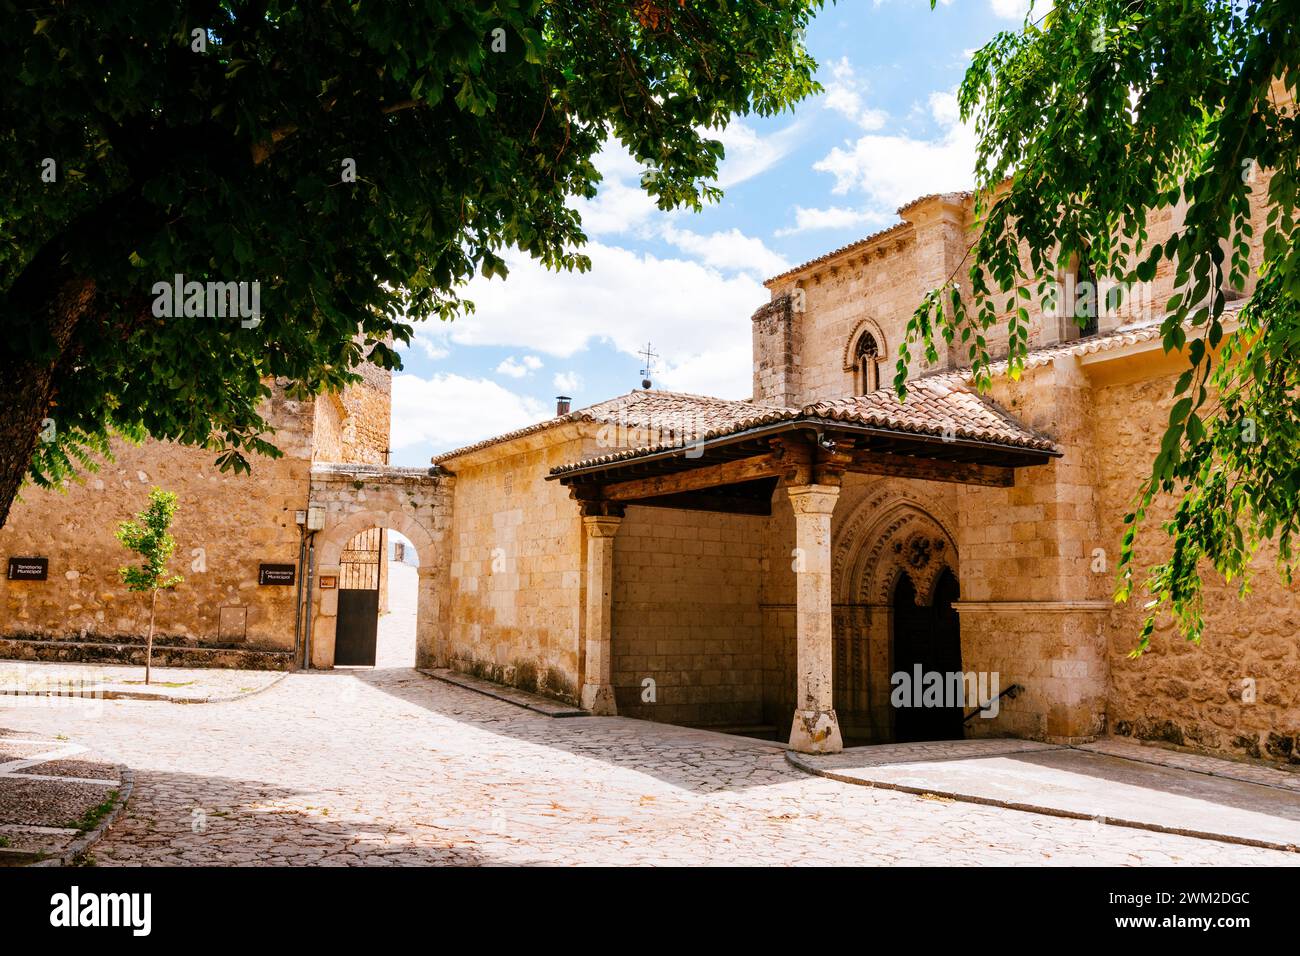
(826,257)
(935,407)
(1126,335)
(678,412)
(867,240)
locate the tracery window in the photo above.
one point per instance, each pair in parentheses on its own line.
(866,364)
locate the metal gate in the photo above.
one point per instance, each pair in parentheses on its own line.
(357,626)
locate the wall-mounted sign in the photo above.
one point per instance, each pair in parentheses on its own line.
(275,574)
(29,569)
(328,582)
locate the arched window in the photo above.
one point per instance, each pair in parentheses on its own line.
(1079,310)
(866,364)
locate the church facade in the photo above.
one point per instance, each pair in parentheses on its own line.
(819,563)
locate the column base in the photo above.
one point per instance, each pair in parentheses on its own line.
(816,732)
(598,700)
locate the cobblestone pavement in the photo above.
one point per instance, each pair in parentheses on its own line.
(388,766)
(185,684)
(51,791)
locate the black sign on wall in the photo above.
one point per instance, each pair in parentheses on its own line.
(29,569)
(275,573)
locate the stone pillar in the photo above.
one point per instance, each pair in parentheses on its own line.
(597,678)
(427,618)
(816,728)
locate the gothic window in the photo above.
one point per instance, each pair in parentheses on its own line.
(1089,301)
(1081,302)
(866,363)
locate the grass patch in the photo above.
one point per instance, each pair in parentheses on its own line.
(92,817)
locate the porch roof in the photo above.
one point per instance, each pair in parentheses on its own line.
(942,419)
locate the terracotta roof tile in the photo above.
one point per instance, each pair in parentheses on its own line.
(678,412)
(935,407)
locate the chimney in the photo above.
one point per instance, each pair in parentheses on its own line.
(561,405)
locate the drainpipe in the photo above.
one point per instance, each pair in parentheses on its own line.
(297,600)
(311,576)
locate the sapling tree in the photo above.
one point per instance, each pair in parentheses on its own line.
(149,536)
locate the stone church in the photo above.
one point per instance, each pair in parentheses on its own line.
(767,567)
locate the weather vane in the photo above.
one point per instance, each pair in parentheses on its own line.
(649,356)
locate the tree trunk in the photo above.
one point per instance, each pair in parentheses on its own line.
(42,310)
(148,647)
(29,384)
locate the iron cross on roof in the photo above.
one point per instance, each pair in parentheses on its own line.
(649,356)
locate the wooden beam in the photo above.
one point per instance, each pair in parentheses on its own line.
(708,501)
(696,479)
(901,466)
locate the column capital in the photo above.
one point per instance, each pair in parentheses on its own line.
(813,499)
(599,508)
(602,526)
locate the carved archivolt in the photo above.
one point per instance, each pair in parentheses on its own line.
(891,533)
(850,347)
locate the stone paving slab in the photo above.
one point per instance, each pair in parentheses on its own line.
(178,685)
(511,695)
(1196,763)
(56,797)
(1069,782)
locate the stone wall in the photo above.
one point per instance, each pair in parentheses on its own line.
(515,581)
(226,525)
(686,615)
(353,425)
(1198,696)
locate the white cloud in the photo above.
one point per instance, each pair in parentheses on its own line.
(622,207)
(750,153)
(731,250)
(567,382)
(845,94)
(697,317)
(1018,9)
(891,170)
(518,368)
(450,410)
(834,217)
(430,348)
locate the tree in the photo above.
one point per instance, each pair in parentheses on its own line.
(149,537)
(1091,118)
(357,161)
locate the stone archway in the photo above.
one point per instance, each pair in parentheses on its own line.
(406,500)
(895,532)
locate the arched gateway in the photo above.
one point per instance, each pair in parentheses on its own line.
(355,499)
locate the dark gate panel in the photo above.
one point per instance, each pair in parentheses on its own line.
(357,626)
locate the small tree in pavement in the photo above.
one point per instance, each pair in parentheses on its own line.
(149,537)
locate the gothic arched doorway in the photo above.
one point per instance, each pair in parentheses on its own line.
(927,640)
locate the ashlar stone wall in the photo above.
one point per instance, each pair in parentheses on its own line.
(226,525)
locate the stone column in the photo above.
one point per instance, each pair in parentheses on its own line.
(815,728)
(427,618)
(597,679)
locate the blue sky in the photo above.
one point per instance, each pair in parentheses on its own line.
(884,132)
